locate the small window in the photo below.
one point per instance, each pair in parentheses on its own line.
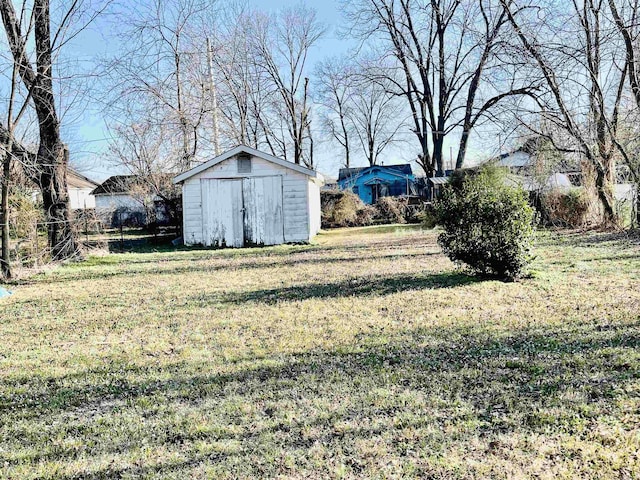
(244,164)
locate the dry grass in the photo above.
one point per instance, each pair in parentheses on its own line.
(365,355)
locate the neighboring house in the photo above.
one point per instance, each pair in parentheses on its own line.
(330,183)
(117,202)
(80,190)
(518,162)
(246,197)
(371,183)
(524,172)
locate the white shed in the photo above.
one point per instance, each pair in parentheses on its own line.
(246,197)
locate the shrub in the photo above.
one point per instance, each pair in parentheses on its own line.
(427,216)
(366,215)
(344,209)
(568,208)
(345,212)
(391,210)
(487,225)
(24,215)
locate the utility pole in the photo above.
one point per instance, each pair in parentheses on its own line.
(451,164)
(214,99)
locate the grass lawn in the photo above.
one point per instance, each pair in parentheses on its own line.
(364,355)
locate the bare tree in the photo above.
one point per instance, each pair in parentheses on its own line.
(626,15)
(50,162)
(585,83)
(335,80)
(140,150)
(357,107)
(161,76)
(242,85)
(376,114)
(441,56)
(282,45)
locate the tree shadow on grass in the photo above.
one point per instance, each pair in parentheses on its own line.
(592,238)
(200,265)
(354,287)
(502,384)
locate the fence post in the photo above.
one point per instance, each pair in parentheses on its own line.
(35,237)
(121,234)
(86,223)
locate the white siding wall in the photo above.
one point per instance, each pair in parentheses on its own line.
(315,211)
(112,202)
(81,198)
(295,197)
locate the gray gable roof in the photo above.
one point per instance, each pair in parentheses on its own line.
(251,151)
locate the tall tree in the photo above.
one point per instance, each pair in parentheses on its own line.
(584,79)
(334,86)
(161,74)
(50,163)
(443,62)
(626,14)
(376,114)
(242,85)
(282,44)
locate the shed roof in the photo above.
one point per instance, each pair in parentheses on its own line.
(439,180)
(402,169)
(251,151)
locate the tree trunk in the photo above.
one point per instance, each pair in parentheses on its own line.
(604,188)
(438,159)
(5,259)
(51,162)
(462,149)
(52,180)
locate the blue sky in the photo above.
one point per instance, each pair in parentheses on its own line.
(86,134)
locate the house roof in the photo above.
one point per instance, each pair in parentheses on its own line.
(123,184)
(77,180)
(251,151)
(515,159)
(117,184)
(402,169)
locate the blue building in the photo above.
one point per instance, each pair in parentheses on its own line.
(371,183)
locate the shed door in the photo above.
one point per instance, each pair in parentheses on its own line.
(263,218)
(222,207)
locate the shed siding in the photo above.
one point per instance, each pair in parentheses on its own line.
(295,197)
(315,212)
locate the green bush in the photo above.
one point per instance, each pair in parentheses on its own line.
(24,215)
(487,225)
(427,216)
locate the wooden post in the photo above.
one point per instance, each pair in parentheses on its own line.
(214,99)
(36,243)
(121,234)
(86,222)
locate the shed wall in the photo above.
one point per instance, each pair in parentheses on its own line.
(315,210)
(295,198)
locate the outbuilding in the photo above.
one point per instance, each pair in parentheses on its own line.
(246,197)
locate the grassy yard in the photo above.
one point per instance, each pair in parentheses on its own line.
(365,355)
